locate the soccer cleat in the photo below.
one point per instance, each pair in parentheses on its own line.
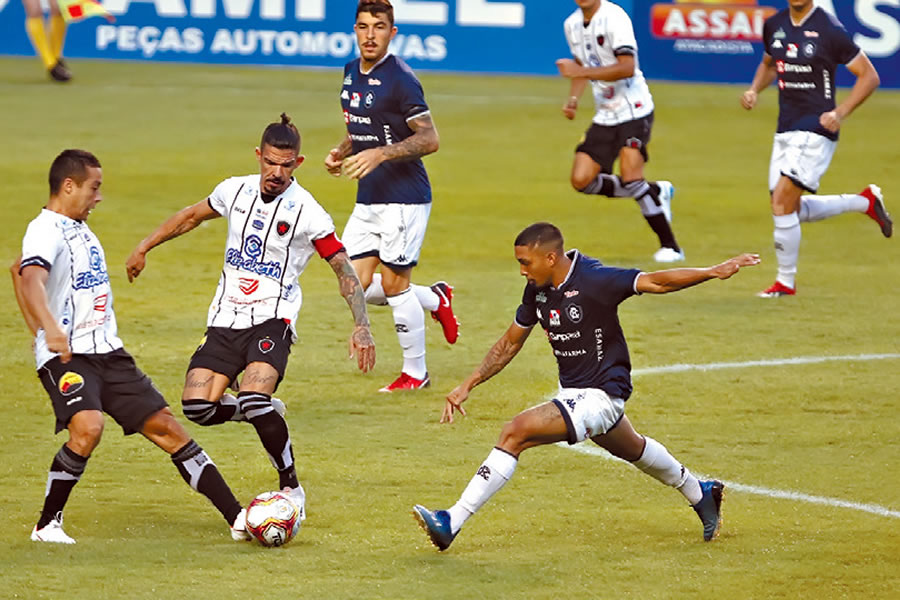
(709,509)
(60,73)
(405,382)
(668,255)
(444,313)
(877,212)
(51,532)
(666,193)
(298,497)
(239,531)
(777,290)
(436,524)
(279,406)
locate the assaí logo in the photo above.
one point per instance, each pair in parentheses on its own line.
(248,259)
(710,20)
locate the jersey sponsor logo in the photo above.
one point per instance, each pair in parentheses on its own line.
(96,276)
(571,294)
(257,224)
(282,227)
(247,285)
(564,336)
(370,99)
(811,34)
(569,353)
(100,302)
(74,400)
(266,345)
(354,100)
(247,259)
(786,67)
(796,85)
(240,210)
(364,138)
(598,339)
(713,21)
(349,117)
(388,137)
(70,383)
(554,317)
(573,311)
(373,81)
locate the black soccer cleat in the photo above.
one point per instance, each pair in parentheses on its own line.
(709,509)
(59,72)
(436,524)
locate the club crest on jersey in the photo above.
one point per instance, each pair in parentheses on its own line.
(247,285)
(282,227)
(370,99)
(791,51)
(266,345)
(573,311)
(809,49)
(600,40)
(70,383)
(554,317)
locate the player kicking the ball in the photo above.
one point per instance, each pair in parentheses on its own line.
(575,299)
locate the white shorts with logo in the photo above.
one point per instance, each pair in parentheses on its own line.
(802,156)
(588,412)
(392,232)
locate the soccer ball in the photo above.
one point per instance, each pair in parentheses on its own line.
(273,518)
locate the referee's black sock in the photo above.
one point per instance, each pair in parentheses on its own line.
(273,433)
(201,473)
(65,471)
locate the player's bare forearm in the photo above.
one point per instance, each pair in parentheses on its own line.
(672,280)
(30,320)
(178,224)
(343,149)
(867,81)
(33,290)
(423,142)
(764,76)
(500,355)
(350,287)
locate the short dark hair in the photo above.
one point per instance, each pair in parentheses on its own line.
(71,164)
(540,234)
(282,135)
(374,7)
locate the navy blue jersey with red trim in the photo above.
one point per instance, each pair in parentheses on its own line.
(378,106)
(806,57)
(581,321)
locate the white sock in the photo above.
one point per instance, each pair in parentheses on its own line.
(816,208)
(375,292)
(409,321)
(662,466)
(494,472)
(427,298)
(787,247)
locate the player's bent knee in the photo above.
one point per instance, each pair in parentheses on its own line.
(85,430)
(580,181)
(199,410)
(513,436)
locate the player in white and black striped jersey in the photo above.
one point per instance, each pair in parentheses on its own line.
(62,287)
(274,228)
(601,40)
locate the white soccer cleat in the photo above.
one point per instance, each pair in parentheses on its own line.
(51,532)
(279,406)
(239,531)
(298,497)
(666,193)
(668,255)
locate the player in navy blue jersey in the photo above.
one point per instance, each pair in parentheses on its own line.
(389,130)
(575,299)
(803,47)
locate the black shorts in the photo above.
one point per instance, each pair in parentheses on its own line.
(603,143)
(109,382)
(229,351)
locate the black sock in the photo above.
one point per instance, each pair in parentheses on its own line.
(201,473)
(65,471)
(204,412)
(273,433)
(663,231)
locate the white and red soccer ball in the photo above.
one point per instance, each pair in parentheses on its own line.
(273,518)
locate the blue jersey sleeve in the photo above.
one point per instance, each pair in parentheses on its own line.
(843,49)
(610,286)
(410,94)
(526,314)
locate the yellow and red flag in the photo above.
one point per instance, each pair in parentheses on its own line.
(76,10)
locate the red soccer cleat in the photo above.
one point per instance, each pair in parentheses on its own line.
(444,313)
(405,382)
(777,290)
(877,212)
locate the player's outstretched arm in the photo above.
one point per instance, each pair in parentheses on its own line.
(30,320)
(33,286)
(867,81)
(497,357)
(335,159)
(361,343)
(672,280)
(422,142)
(763,78)
(181,222)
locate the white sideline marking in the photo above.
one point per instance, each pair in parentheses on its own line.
(771,362)
(874,509)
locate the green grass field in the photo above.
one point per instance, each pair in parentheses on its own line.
(568,524)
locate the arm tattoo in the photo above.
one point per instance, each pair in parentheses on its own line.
(497,357)
(345,148)
(422,142)
(350,287)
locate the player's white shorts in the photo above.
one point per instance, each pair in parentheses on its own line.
(392,232)
(588,412)
(802,156)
